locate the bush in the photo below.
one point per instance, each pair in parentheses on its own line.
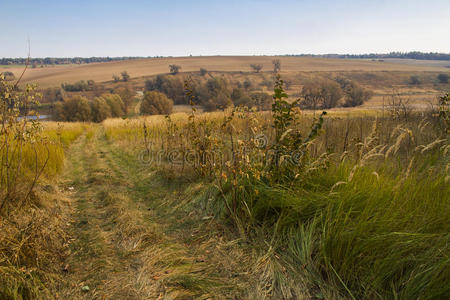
(256,67)
(248,84)
(443,78)
(8,76)
(203,71)
(79,86)
(414,80)
(125,76)
(261,100)
(174,69)
(356,95)
(100,109)
(52,95)
(116,78)
(156,103)
(76,109)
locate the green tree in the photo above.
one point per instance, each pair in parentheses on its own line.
(100,109)
(156,103)
(76,109)
(115,103)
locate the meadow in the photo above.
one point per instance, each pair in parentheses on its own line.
(240,204)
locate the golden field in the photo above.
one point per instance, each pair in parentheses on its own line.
(102,72)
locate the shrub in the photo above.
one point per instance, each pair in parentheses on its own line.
(8,76)
(414,80)
(443,78)
(156,103)
(247,84)
(356,95)
(125,76)
(79,86)
(261,100)
(76,109)
(174,69)
(116,78)
(52,95)
(256,67)
(203,71)
(100,109)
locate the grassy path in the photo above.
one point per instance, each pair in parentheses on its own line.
(131,239)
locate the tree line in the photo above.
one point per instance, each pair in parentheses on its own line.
(407,55)
(62,60)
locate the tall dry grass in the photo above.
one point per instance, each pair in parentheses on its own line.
(363,216)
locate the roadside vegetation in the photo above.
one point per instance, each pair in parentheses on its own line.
(32,219)
(334,207)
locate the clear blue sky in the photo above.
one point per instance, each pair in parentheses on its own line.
(66,28)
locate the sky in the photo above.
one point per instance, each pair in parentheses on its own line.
(68,28)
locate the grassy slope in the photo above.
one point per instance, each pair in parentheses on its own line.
(102,72)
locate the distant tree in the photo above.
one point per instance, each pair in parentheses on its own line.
(261,100)
(356,95)
(331,93)
(125,76)
(256,67)
(443,78)
(174,69)
(171,86)
(311,94)
(414,80)
(276,65)
(9,76)
(79,86)
(116,78)
(240,98)
(156,103)
(267,83)
(247,84)
(127,96)
(76,109)
(100,109)
(203,71)
(115,103)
